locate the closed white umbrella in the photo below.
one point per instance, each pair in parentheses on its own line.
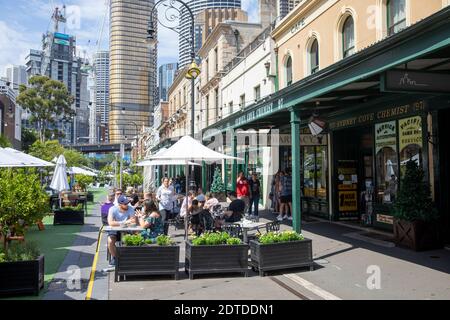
(59,180)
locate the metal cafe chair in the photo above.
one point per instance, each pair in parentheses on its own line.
(233,230)
(273,226)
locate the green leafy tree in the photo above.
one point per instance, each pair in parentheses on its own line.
(50,149)
(414,198)
(48,101)
(217,185)
(4,142)
(83,181)
(29,137)
(22,200)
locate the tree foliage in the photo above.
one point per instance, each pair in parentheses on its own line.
(29,136)
(48,101)
(414,198)
(4,142)
(83,181)
(50,149)
(22,200)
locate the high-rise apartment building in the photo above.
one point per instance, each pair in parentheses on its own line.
(167,73)
(185,22)
(101,85)
(58,61)
(132,69)
(16,75)
(285,6)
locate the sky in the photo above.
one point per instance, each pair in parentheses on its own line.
(22,23)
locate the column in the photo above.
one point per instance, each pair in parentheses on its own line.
(224,173)
(296,167)
(234,168)
(204,177)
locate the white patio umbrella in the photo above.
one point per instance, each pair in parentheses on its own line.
(78,170)
(59,180)
(188,150)
(14,158)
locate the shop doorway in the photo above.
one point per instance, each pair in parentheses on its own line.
(353,173)
(443,197)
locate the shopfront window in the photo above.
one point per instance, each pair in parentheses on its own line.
(386,161)
(315,172)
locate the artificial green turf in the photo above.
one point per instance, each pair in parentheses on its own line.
(54,242)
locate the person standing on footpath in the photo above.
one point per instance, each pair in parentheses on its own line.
(243,190)
(166,197)
(255,194)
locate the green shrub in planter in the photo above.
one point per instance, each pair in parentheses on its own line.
(20,252)
(215,238)
(78,207)
(276,237)
(136,240)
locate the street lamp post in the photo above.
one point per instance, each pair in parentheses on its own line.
(193,72)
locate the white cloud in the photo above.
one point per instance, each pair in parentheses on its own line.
(15,44)
(251,6)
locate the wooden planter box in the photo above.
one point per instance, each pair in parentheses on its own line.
(282,255)
(147,260)
(22,277)
(418,235)
(68,217)
(216,259)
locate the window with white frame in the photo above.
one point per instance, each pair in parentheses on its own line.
(314,57)
(348,37)
(257,91)
(288,71)
(396,16)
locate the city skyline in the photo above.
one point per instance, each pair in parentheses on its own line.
(23,22)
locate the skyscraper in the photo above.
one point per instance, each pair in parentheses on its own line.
(166,76)
(132,69)
(101,85)
(185,22)
(285,6)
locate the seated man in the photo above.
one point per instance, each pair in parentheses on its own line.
(117,216)
(235,209)
(104,209)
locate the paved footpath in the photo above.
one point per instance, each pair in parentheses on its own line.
(72,279)
(348,265)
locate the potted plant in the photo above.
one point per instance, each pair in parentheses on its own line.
(416,221)
(137,256)
(69,215)
(83,181)
(280,250)
(218,187)
(216,253)
(23,202)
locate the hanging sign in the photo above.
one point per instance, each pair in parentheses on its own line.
(410,132)
(415,81)
(348,201)
(385,136)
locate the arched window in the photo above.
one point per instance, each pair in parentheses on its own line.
(314,57)
(396,15)
(348,37)
(288,71)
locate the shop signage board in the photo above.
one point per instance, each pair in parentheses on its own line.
(410,132)
(379,116)
(415,81)
(386,136)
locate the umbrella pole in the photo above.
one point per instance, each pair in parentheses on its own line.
(186,217)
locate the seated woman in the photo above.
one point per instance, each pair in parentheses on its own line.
(194,213)
(150,219)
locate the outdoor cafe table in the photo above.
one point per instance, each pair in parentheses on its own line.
(123,229)
(248,225)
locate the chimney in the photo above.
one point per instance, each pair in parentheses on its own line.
(267,12)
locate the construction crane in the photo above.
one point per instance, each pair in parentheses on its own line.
(58,16)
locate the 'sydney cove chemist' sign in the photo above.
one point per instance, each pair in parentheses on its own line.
(384,114)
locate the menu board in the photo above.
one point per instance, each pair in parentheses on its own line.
(347,185)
